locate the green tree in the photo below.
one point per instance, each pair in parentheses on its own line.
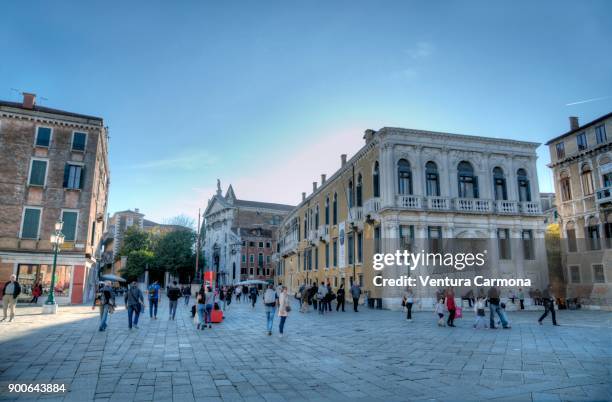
(174,252)
(137,261)
(134,239)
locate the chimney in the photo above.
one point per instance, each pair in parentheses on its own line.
(303,197)
(368,135)
(137,210)
(574,123)
(314,186)
(343,159)
(323,177)
(29,100)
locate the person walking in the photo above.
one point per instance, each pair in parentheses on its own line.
(284,308)
(330,296)
(253,295)
(223,295)
(229,294)
(409,300)
(201,307)
(451,307)
(186,294)
(321,295)
(495,308)
(479,314)
(173,294)
(10,292)
(549,305)
(340,295)
(153,299)
(238,292)
(134,301)
(355,293)
(304,298)
(270,299)
(521,297)
(36,293)
(106,299)
(210,302)
(439,310)
(469,296)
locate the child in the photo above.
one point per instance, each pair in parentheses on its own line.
(479,310)
(440,312)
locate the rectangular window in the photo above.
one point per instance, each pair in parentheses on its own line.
(528,252)
(574,274)
(93,233)
(73,176)
(251,244)
(69,229)
(267,244)
(377,243)
(360,279)
(326,255)
(268,259)
(560,150)
(78,141)
(316,259)
(406,237)
(608,234)
(244,258)
(581,141)
(335,253)
(43,137)
(566,189)
(600,134)
(598,273)
(252,259)
(434,235)
(38,172)
(572,246)
(243,243)
(351,248)
(260,260)
(260,244)
(503,242)
(360,247)
(31,223)
(593,239)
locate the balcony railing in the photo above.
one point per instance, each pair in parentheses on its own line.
(409,201)
(357,213)
(604,195)
(506,207)
(324,233)
(473,205)
(531,207)
(438,203)
(312,235)
(372,206)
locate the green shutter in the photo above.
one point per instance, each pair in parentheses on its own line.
(31,220)
(37,175)
(82,178)
(69,228)
(66,175)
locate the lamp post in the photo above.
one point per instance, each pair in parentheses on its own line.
(57,239)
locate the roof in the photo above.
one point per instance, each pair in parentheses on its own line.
(149,224)
(44,109)
(266,205)
(128,211)
(583,127)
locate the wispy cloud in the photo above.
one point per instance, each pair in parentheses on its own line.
(588,100)
(414,57)
(184,161)
(421,50)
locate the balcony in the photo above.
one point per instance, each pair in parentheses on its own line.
(312,235)
(475,205)
(604,195)
(357,214)
(506,207)
(531,208)
(288,247)
(371,206)
(438,203)
(409,201)
(324,233)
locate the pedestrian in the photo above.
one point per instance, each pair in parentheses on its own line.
(106,300)
(495,308)
(521,297)
(330,296)
(253,295)
(284,307)
(304,298)
(134,301)
(440,312)
(355,293)
(186,294)
(201,307)
(451,307)
(245,292)
(10,292)
(469,296)
(549,305)
(511,295)
(538,297)
(238,292)
(409,301)
(340,295)
(223,295)
(321,295)
(153,299)
(36,293)
(173,294)
(210,301)
(270,299)
(229,294)
(479,313)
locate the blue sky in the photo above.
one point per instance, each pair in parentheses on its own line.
(267,94)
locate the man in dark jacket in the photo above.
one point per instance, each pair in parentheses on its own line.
(355,293)
(549,305)
(495,308)
(340,297)
(106,300)
(134,302)
(11,290)
(173,293)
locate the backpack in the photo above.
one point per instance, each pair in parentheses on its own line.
(270,297)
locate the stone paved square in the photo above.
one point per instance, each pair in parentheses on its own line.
(365,356)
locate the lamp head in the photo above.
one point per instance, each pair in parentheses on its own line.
(58,225)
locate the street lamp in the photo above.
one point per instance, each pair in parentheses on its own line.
(57,239)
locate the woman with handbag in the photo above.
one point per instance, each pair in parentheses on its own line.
(134,301)
(284,307)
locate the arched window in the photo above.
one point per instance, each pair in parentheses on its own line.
(359,187)
(592,234)
(351,194)
(376,180)
(335,208)
(305,225)
(499,184)
(316,225)
(586,176)
(467,181)
(566,187)
(432,179)
(523,185)
(327,210)
(404,177)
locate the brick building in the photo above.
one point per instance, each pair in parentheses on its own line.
(53,166)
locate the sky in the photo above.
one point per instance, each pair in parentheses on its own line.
(266,95)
